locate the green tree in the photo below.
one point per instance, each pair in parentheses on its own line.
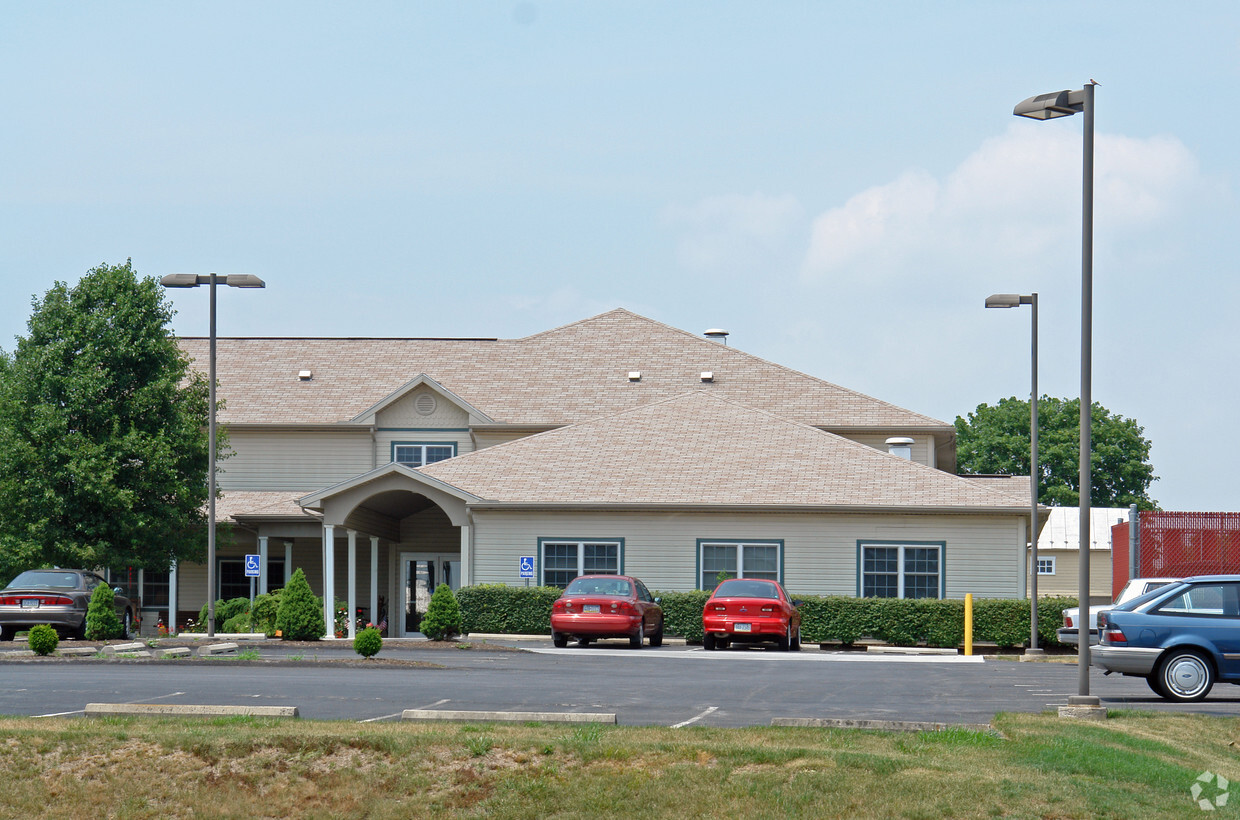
(443,615)
(102,431)
(300,613)
(994,439)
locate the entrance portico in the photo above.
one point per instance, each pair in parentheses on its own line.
(425,525)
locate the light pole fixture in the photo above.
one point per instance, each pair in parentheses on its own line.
(1045,107)
(193,280)
(1011,300)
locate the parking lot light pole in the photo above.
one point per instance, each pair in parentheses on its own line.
(193,280)
(1046,107)
(1011,300)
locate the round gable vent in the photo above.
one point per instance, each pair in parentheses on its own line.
(424,404)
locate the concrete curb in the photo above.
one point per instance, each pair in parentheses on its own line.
(509,717)
(216,649)
(173,652)
(880,725)
(910,650)
(174,710)
(123,649)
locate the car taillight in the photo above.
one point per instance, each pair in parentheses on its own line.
(1114,635)
(623,607)
(1067,621)
(768,609)
(720,608)
(44,600)
(560,606)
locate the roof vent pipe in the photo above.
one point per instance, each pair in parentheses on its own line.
(717,334)
(901,446)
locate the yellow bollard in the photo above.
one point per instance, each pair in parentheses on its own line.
(968,623)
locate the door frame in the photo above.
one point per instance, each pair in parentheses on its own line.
(404,558)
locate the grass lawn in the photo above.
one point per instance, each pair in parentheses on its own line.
(1135,765)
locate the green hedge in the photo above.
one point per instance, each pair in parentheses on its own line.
(501,609)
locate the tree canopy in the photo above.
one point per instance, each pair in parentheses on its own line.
(994,439)
(103,435)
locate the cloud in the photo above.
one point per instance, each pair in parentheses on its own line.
(733,232)
(1018,191)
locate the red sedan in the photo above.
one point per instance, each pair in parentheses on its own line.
(751,610)
(606,606)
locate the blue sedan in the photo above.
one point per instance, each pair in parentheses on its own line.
(1181,638)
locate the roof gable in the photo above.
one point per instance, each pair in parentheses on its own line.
(370,414)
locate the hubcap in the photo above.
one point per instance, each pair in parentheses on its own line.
(1186,676)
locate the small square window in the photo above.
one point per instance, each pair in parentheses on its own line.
(1046,566)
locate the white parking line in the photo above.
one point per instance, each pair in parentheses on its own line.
(684,723)
(774,657)
(401,712)
(83,709)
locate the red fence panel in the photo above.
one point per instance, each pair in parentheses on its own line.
(1180,544)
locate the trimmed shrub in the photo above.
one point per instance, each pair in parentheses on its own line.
(43,639)
(682,613)
(101,621)
(368,642)
(443,615)
(300,613)
(237,623)
(224,612)
(507,610)
(263,616)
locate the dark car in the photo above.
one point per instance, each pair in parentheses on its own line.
(57,597)
(606,606)
(751,610)
(1181,638)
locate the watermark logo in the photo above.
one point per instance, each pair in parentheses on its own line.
(1210,791)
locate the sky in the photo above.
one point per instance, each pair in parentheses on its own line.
(839,185)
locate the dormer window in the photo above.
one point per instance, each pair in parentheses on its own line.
(415,454)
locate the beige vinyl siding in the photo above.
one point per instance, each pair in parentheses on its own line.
(404,412)
(301,461)
(491,438)
(1066,580)
(820,550)
(922,450)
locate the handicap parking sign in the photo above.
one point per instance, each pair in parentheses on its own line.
(251,566)
(527,566)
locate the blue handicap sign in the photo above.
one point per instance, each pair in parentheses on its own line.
(251,566)
(527,566)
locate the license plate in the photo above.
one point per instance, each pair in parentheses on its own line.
(30,603)
(741,627)
(590,608)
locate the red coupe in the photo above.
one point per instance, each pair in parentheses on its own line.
(606,606)
(751,610)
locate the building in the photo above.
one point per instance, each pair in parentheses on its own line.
(382,467)
(1059,551)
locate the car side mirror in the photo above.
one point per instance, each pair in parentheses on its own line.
(796,602)
(658,600)
(118,590)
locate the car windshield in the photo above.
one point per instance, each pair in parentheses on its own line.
(44,579)
(740,588)
(599,586)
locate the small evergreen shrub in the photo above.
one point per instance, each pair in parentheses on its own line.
(101,621)
(224,612)
(43,639)
(300,613)
(442,620)
(237,623)
(368,642)
(263,616)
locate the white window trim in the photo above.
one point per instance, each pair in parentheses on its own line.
(421,447)
(1049,560)
(580,544)
(900,573)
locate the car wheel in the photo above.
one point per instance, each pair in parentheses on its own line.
(559,639)
(636,641)
(784,642)
(657,638)
(796,640)
(1156,686)
(7,633)
(1185,676)
(708,642)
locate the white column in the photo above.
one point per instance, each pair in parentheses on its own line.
(467,556)
(172,598)
(329,594)
(374,580)
(288,561)
(352,611)
(262,565)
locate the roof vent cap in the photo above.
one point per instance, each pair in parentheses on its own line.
(635,375)
(305,375)
(901,446)
(708,376)
(718,334)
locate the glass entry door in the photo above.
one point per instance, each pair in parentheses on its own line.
(420,574)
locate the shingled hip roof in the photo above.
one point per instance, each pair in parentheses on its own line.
(699,449)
